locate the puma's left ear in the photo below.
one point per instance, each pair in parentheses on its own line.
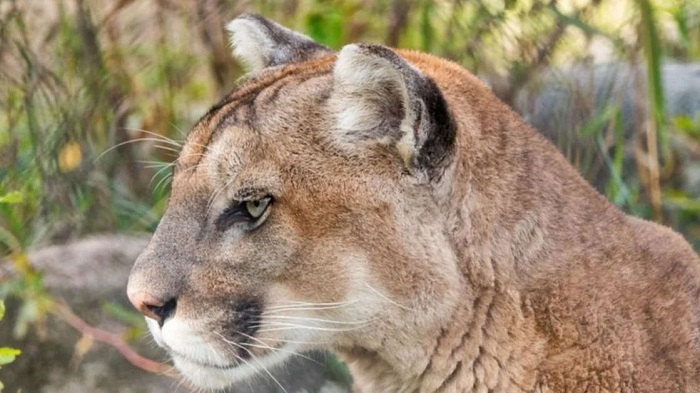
(261,43)
(379,96)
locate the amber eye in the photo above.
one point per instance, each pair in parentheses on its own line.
(244,211)
(256,208)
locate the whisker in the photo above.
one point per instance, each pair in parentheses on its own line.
(294,302)
(154,166)
(167,148)
(317,320)
(154,162)
(284,310)
(126,143)
(206,147)
(388,299)
(239,358)
(157,173)
(266,346)
(178,130)
(180,381)
(270,327)
(157,135)
(215,194)
(282,340)
(193,167)
(294,353)
(309,306)
(254,358)
(164,182)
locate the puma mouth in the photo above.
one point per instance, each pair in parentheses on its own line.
(214,371)
(211,375)
(182,358)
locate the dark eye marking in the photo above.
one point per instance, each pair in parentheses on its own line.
(250,212)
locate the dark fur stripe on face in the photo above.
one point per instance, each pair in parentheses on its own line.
(207,127)
(243,321)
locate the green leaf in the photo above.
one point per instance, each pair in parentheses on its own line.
(10,240)
(8,355)
(12,197)
(687,125)
(337,370)
(2,309)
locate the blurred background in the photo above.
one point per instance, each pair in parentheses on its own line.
(88,90)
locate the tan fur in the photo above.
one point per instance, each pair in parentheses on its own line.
(508,274)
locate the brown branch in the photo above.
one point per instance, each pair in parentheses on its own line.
(63,312)
(654,176)
(397,21)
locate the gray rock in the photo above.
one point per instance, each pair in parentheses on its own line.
(559,101)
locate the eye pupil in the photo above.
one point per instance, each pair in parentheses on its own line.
(255,209)
(244,211)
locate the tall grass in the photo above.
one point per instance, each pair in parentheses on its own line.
(656,126)
(88,75)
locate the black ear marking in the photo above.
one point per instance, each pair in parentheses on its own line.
(261,43)
(439,141)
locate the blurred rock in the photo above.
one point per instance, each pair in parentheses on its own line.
(568,106)
(558,101)
(87,273)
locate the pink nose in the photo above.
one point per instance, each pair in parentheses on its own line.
(152,307)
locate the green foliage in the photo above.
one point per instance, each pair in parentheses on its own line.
(12,197)
(6,236)
(337,370)
(7,355)
(28,287)
(686,125)
(325,24)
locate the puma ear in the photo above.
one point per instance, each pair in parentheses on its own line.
(260,43)
(377,95)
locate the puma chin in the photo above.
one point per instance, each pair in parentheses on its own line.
(203,364)
(385,205)
(212,362)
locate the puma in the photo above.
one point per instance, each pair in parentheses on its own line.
(383,204)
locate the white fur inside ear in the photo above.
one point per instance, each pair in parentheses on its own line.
(368,88)
(260,43)
(249,43)
(362,83)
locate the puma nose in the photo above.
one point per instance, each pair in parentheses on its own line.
(153,307)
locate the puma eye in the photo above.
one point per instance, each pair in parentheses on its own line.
(256,208)
(250,212)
